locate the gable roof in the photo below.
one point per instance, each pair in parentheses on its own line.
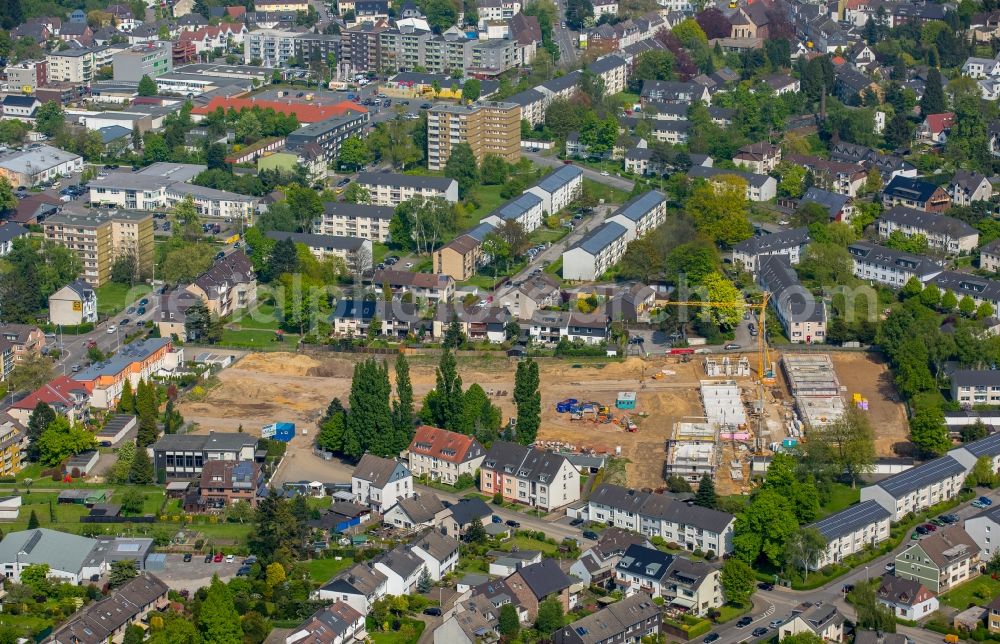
(437,545)
(60,393)
(648,563)
(466,510)
(851,519)
(596,241)
(421,509)
(97,623)
(938,123)
(910,188)
(947,545)
(913,479)
(559,179)
(376,470)
(445,445)
(798,304)
(328,625)
(785,239)
(610,624)
(544,578)
(929,221)
(898,590)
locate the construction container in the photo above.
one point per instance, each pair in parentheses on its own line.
(283,432)
(625,400)
(564,406)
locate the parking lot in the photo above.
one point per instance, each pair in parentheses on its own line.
(192,575)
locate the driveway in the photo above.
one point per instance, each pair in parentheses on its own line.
(194,574)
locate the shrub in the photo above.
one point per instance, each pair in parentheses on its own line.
(710,555)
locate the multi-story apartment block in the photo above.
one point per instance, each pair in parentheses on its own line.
(354,220)
(226,482)
(27,76)
(940,561)
(596,253)
(404,47)
(889,266)
(443,455)
(13,443)
(918,488)
(359,49)
(802,316)
(433,287)
(183,456)
(759,158)
(491,10)
(947,234)
(531,476)
(147,59)
(490,58)
(210,202)
(791,243)
(387,189)
(525,210)
(488,128)
(99,237)
(558,189)
(975,387)
(642,213)
(658,515)
(328,134)
(269,47)
(356,252)
(134,362)
(70,66)
(310,47)
(852,530)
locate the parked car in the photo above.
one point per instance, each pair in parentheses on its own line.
(433,611)
(141,311)
(497,519)
(745,621)
(251,560)
(187,556)
(590,534)
(243,571)
(218,558)
(208,558)
(112,329)
(731,346)
(514,524)
(230,558)
(847,588)
(576,522)
(775,623)
(764,585)
(978,504)
(985,500)
(890,567)
(921,530)
(124,322)
(930,527)
(949,518)
(711,637)
(760,631)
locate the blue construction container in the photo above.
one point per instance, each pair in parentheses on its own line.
(278,431)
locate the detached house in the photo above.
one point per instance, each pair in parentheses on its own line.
(414,512)
(914,193)
(534,477)
(359,587)
(402,569)
(684,584)
(906,598)
(820,619)
(229,285)
(935,127)
(379,482)
(759,158)
(967,187)
(531,585)
(941,560)
(443,455)
(439,552)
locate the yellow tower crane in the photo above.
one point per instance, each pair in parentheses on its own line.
(765,368)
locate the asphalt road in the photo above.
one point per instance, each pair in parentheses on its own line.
(779,602)
(565,38)
(553,162)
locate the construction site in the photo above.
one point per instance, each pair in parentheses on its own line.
(681,413)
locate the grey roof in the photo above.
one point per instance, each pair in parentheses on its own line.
(480,232)
(705,172)
(440,184)
(135,352)
(786,239)
(205,192)
(360,579)
(545,578)
(892,258)
(328,242)
(212,441)
(606,64)
(921,476)
(61,551)
(975,378)
(524,462)
(966,284)
(941,224)
(988,446)
(527,97)
(832,201)
(661,506)
(851,519)
(639,206)
(421,509)
(375,469)
(516,207)
(11,230)
(357,210)
(797,303)
(468,509)
(602,237)
(98,622)
(611,624)
(36,159)
(436,544)
(560,178)
(645,562)
(401,561)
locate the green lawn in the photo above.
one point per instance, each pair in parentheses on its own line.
(551,235)
(979,591)
(841,497)
(605,192)
(555,268)
(480,280)
(729,611)
(409,636)
(488,198)
(379,252)
(323,570)
(263,316)
(113,297)
(262,339)
(527,543)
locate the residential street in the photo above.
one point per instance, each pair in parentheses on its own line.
(553,162)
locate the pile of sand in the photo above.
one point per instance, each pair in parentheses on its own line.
(279,364)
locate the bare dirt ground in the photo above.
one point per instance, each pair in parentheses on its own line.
(869,375)
(263,388)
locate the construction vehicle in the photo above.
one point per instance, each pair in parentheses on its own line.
(765,368)
(658,375)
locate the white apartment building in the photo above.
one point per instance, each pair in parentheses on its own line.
(593,255)
(344,219)
(851,530)
(525,210)
(387,189)
(984,528)
(975,387)
(918,488)
(530,476)
(889,266)
(559,188)
(968,453)
(379,482)
(791,243)
(642,213)
(213,203)
(272,47)
(942,232)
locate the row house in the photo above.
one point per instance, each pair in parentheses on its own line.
(659,515)
(443,455)
(629,620)
(791,243)
(356,252)
(351,318)
(980,289)
(889,266)
(480,323)
(334,624)
(433,287)
(888,165)
(530,476)
(525,210)
(918,488)
(852,530)
(801,315)
(944,233)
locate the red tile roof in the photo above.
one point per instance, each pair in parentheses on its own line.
(940,122)
(306,113)
(445,445)
(57,392)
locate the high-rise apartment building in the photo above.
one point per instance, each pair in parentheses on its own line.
(488,128)
(98,238)
(147,59)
